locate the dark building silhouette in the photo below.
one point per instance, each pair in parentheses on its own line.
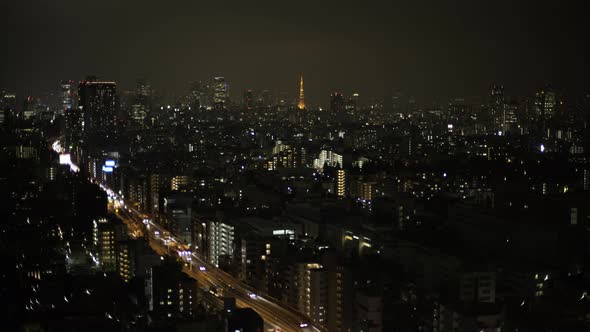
(98,103)
(244,320)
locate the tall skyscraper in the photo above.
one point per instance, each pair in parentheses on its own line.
(7,109)
(497,106)
(29,108)
(352,104)
(509,119)
(265,98)
(337,103)
(220,93)
(301,104)
(98,103)
(142,104)
(545,105)
(144,89)
(73,127)
(248,100)
(199,96)
(69,95)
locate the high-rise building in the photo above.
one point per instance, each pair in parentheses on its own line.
(180,183)
(73,127)
(107,232)
(497,105)
(248,102)
(352,104)
(142,103)
(138,114)
(337,103)
(173,294)
(308,290)
(265,98)
(69,95)
(199,96)
(545,105)
(98,102)
(368,310)
(301,104)
(329,158)
(290,157)
(7,109)
(340,295)
(509,119)
(29,108)
(178,206)
(341,183)
(220,93)
(363,190)
(8,101)
(135,258)
(144,90)
(221,238)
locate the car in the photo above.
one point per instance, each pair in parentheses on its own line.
(303,325)
(252,295)
(202,268)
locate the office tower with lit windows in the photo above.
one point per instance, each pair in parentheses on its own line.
(545,106)
(98,103)
(497,106)
(220,93)
(509,118)
(69,95)
(142,103)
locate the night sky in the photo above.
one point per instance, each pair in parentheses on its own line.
(434,49)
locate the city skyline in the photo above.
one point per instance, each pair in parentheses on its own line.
(301,166)
(431,52)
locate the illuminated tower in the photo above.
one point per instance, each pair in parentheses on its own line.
(301,104)
(341,183)
(220,93)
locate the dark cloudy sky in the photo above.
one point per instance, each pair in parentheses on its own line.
(427,48)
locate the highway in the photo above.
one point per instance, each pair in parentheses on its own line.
(276,316)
